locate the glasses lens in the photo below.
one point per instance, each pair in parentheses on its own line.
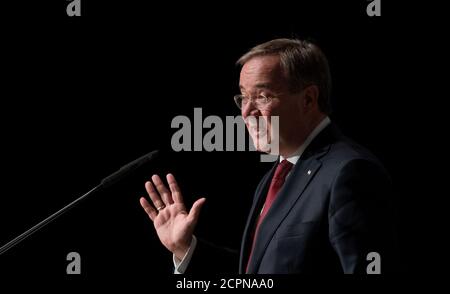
(238,100)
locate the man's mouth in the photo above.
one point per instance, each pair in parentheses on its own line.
(258,132)
(257,129)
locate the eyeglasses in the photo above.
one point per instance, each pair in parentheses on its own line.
(260,102)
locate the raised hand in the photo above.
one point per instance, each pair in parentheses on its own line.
(173,224)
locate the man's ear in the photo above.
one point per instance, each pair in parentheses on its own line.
(310,97)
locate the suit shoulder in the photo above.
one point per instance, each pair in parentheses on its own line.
(345,154)
(345,150)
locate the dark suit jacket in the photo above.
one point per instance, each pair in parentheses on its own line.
(333,209)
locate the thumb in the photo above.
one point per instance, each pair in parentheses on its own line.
(194,213)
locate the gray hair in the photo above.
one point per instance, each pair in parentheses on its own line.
(303,64)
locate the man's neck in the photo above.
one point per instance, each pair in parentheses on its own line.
(296,152)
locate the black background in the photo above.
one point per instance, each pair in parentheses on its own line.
(82,96)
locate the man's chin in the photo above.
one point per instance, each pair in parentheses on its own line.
(262,145)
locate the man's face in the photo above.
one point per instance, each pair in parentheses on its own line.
(262,75)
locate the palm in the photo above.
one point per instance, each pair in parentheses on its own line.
(173,224)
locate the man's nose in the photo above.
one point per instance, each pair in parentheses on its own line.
(249,110)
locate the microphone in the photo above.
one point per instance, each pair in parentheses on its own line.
(106,182)
(129,167)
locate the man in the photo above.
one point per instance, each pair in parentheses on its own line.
(323,207)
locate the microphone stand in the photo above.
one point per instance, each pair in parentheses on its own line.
(106,182)
(46,221)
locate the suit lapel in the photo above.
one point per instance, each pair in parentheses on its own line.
(285,201)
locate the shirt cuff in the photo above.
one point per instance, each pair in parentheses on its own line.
(181,265)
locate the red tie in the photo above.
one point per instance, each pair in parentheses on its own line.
(279,176)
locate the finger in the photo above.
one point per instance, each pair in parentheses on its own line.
(148,208)
(163,191)
(194,213)
(157,202)
(173,185)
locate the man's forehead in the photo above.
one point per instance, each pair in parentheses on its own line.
(261,65)
(262,72)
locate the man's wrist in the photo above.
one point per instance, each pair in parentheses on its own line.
(180,252)
(182,263)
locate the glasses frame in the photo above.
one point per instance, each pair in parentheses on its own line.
(259,102)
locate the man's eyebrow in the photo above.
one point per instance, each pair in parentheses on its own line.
(263,85)
(259,86)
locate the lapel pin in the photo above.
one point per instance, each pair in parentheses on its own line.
(309,172)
